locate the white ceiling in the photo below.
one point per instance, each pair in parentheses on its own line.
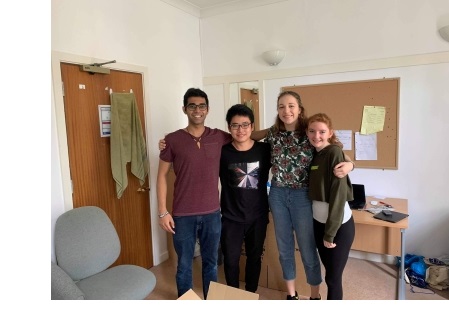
(204,8)
(206,4)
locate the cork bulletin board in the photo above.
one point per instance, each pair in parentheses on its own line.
(343,102)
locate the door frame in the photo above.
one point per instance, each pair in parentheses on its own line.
(56,59)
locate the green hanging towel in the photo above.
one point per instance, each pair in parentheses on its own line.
(127,141)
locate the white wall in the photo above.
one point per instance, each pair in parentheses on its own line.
(149,34)
(321,32)
(332,41)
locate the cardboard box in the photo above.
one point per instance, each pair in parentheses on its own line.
(219,291)
(190,295)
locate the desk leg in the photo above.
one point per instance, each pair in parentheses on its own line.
(401,281)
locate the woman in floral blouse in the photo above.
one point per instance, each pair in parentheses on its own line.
(291,208)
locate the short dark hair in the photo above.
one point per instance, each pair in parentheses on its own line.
(239,110)
(193,92)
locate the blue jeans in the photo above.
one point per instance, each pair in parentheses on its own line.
(292,215)
(208,230)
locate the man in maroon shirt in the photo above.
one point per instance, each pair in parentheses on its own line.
(194,152)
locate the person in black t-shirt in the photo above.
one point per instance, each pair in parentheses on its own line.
(244,172)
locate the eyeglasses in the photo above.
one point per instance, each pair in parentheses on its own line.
(235,126)
(192,107)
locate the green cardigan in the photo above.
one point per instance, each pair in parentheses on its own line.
(326,187)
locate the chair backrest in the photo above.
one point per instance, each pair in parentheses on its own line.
(86,242)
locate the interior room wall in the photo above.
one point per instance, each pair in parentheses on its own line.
(150,34)
(217,110)
(316,33)
(329,41)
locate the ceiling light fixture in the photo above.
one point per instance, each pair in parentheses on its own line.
(444,32)
(274,57)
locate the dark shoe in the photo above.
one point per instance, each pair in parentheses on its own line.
(293,297)
(319,298)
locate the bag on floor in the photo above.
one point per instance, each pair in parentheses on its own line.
(408,260)
(438,277)
(415,279)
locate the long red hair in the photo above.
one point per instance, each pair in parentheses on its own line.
(324,118)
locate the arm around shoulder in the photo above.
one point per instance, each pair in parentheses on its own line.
(343,168)
(259,135)
(348,159)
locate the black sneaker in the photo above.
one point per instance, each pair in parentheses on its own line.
(293,297)
(319,298)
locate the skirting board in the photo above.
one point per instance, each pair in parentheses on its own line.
(388,259)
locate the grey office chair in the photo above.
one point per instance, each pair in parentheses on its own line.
(86,245)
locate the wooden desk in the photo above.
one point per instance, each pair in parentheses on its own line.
(382,237)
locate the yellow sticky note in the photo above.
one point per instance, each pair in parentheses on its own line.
(373,120)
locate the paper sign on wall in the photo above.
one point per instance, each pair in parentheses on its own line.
(345,137)
(365,146)
(373,120)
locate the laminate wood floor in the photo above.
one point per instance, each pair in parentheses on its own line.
(362,280)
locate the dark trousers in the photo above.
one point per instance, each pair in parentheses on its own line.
(334,259)
(233,234)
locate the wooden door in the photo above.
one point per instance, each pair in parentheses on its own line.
(250,98)
(90,161)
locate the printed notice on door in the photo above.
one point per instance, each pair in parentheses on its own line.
(105,120)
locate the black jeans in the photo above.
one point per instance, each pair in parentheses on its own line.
(233,234)
(334,259)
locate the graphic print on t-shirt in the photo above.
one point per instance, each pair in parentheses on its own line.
(244,175)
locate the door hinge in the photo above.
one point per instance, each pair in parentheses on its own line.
(71,184)
(62,86)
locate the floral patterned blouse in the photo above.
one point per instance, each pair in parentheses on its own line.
(291,155)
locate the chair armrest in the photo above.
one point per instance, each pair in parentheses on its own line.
(62,285)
